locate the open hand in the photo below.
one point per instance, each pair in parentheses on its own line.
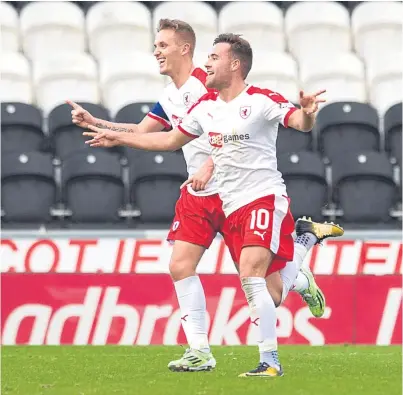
(101,137)
(310,103)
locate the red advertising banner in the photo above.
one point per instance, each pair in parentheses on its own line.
(142,309)
(151,255)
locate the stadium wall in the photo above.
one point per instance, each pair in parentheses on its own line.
(114,288)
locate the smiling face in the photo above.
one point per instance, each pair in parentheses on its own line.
(168,50)
(219,66)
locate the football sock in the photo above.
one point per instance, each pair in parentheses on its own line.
(192,304)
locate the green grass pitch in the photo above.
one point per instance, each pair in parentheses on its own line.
(140,370)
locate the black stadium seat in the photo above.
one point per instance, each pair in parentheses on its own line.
(304,175)
(66,137)
(347,126)
(393,131)
(92,187)
(291,140)
(155,179)
(21,128)
(364,187)
(28,187)
(133,113)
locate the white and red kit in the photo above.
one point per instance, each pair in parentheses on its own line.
(242,134)
(198,215)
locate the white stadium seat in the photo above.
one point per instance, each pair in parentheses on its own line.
(341,74)
(377,28)
(276,71)
(260,22)
(200,59)
(317,26)
(9,28)
(200,15)
(64,76)
(134,78)
(15,82)
(50,27)
(384,76)
(116,27)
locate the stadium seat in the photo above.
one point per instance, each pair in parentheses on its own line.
(292,140)
(364,187)
(134,113)
(52,27)
(263,26)
(28,187)
(116,27)
(15,78)
(317,28)
(65,76)
(200,58)
(66,137)
(21,128)
(342,74)
(393,131)
(348,126)
(276,71)
(384,75)
(304,175)
(155,178)
(10,41)
(200,15)
(134,78)
(377,28)
(92,187)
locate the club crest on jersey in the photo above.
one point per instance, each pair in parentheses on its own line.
(186,99)
(245,111)
(215,139)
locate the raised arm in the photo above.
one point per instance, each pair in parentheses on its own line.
(84,119)
(159,141)
(303,119)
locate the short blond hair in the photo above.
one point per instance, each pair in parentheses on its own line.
(183,29)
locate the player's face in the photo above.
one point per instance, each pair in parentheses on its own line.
(218,66)
(167,51)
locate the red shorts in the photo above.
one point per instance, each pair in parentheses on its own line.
(265,222)
(198,219)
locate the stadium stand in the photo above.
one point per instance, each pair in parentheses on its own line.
(347,126)
(28,189)
(86,176)
(15,84)
(305,176)
(52,27)
(263,28)
(10,40)
(355,178)
(155,179)
(21,128)
(118,27)
(353,49)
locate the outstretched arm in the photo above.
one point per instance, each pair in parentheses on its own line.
(304,118)
(84,119)
(159,141)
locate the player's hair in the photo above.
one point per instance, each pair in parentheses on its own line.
(240,49)
(183,29)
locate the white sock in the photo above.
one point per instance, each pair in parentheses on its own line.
(301,283)
(192,303)
(262,312)
(292,270)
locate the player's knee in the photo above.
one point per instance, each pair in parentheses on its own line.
(254,261)
(181,268)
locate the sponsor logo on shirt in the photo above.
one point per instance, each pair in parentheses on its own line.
(217,140)
(286,105)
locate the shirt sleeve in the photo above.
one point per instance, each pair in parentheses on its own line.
(278,109)
(190,124)
(159,115)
